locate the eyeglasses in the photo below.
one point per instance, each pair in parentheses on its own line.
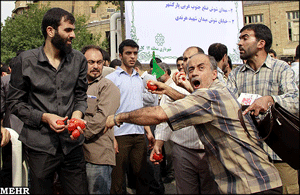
(91,62)
(178,65)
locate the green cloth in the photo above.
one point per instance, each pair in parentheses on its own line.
(156,71)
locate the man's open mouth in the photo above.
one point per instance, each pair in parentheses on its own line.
(196,83)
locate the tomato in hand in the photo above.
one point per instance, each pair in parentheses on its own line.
(73,120)
(72,127)
(81,124)
(60,122)
(157,157)
(151,86)
(182,75)
(76,133)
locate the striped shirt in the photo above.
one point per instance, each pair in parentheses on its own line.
(239,164)
(187,136)
(274,78)
(221,75)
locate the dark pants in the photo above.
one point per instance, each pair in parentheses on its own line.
(192,173)
(6,171)
(133,149)
(156,185)
(70,168)
(155,177)
(169,169)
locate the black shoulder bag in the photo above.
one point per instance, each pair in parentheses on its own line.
(280,130)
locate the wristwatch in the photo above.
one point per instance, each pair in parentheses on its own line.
(118,125)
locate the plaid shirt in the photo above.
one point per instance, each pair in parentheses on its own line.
(274,78)
(239,164)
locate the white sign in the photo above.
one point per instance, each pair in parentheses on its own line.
(169,27)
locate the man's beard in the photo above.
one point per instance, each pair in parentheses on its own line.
(61,44)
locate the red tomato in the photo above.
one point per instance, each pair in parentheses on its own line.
(71,126)
(182,75)
(157,157)
(60,122)
(151,86)
(77,122)
(76,133)
(81,124)
(73,120)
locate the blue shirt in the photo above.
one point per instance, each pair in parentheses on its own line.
(131,89)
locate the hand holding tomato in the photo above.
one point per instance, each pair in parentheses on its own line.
(76,133)
(77,122)
(157,157)
(72,127)
(151,86)
(181,75)
(61,122)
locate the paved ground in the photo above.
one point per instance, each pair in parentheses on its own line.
(170,188)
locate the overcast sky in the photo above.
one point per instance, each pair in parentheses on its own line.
(6,9)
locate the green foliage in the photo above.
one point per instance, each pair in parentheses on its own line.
(116,3)
(23,32)
(105,44)
(83,35)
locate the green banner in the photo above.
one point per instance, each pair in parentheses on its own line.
(156,71)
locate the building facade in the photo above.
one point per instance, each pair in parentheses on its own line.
(282,17)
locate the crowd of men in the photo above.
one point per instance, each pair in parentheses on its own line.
(191,118)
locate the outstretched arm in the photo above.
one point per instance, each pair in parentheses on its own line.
(162,88)
(144,117)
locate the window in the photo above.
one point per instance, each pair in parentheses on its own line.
(254,19)
(110,10)
(93,10)
(293,25)
(105,17)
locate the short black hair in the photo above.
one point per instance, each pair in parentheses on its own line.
(19,51)
(179,58)
(262,32)
(217,50)
(158,60)
(4,68)
(127,42)
(106,56)
(85,48)
(115,62)
(138,64)
(229,62)
(273,52)
(53,17)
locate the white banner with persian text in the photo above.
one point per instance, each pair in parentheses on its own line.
(169,27)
